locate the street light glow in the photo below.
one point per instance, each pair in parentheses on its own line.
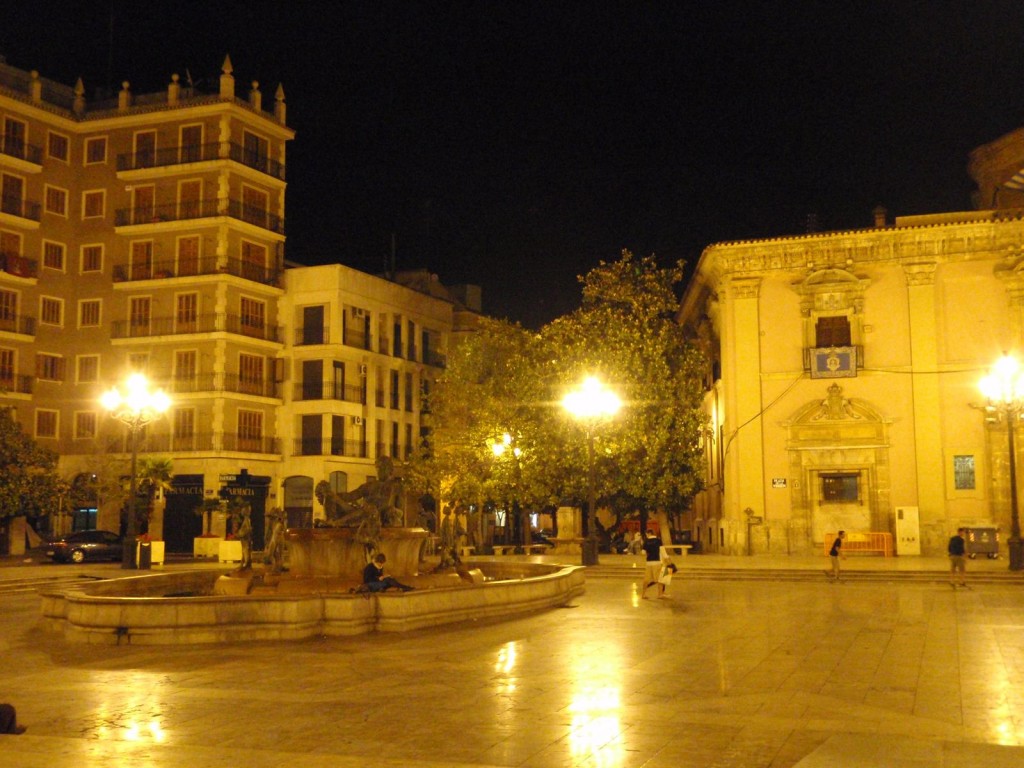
(1004,384)
(592,400)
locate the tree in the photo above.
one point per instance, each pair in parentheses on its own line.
(29,484)
(153,476)
(625,331)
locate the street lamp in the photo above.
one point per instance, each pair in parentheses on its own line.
(1003,387)
(136,407)
(591,403)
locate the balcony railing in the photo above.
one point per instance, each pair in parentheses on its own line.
(316,446)
(356,338)
(163,443)
(18,324)
(309,335)
(246,444)
(198,209)
(16,206)
(18,383)
(230,382)
(198,153)
(245,386)
(151,214)
(21,149)
(435,359)
(16,264)
(174,326)
(189,267)
(329,390)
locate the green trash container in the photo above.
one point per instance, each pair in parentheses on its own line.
(145,556)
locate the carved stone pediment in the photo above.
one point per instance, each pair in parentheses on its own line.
(831,290)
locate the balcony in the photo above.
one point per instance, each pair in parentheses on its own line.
(250,444)
(16,383)
(187,211)
(175,326)
(311,335)
(26,326)
(162,443)
(16,206)
(316,446)
(199,153)
(246,386)
(21,150)
(434,359)
(230,382)
(330,390)
(18,265)
(356,338)
(194,267)
(244,327)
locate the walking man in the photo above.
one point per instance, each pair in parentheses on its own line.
(652,569)
(836,553)
(957,549)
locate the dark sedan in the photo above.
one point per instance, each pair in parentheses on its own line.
(85,545)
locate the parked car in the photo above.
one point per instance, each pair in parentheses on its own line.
(80,546)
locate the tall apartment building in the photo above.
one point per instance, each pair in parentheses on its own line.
(146,233)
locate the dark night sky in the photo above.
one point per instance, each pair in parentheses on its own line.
(515,144)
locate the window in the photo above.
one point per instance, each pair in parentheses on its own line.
(51,310)
(57,146)
(250,430)
(142,260)
(94,202)
(138,362)
(88,369)
(89,313)
(7,367)
(255,203)
(92,258)
(143,204)
(85,425)
(188,255)
(145,149)
(10,243)
(963,473)
(8,310)
(15,136)
(186,315)
(191,143)
(96,150)
(139,315)
(49,367)
(12,194)
(839,488)
(186,365)
(250,374)
(190,195)
(257,150)
(184,424)
(53,255)
(254,261)
(253,317)
(46,423)
(56,200)
(832,331)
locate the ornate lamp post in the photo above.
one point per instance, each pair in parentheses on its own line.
(590,404)
(137,406)
(1003,388)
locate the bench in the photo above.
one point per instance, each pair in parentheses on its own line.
(500,549)
(534,549)
(870,543)
(466,551)
(675,549)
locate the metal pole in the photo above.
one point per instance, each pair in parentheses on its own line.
(590,542)
(132,528)
(1016,546)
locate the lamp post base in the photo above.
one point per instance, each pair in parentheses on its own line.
(589,549)
(1016,547)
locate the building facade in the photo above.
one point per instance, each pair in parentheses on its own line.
(147,233)
(844,390)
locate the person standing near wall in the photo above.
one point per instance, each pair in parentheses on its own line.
(836,553)
(957,563)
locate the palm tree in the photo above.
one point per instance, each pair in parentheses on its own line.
(154,476)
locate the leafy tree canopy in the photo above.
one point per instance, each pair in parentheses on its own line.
(29,484)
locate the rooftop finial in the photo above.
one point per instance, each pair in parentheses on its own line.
(227,82)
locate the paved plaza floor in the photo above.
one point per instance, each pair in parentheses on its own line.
(722,674)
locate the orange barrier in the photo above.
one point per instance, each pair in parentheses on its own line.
(866,543)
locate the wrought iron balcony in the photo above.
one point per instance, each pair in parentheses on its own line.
(16,264)
(18,383)
(310,335)
(246,386)
(17,206)
(249,444)
(186,211)
(175,326)
(317,446)
(21,149)
(18,324)
(198,153)
(193,267)
(330,390)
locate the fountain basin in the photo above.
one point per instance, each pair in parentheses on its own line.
(180,608)
(336,552)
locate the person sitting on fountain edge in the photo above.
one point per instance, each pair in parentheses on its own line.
(374,579)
